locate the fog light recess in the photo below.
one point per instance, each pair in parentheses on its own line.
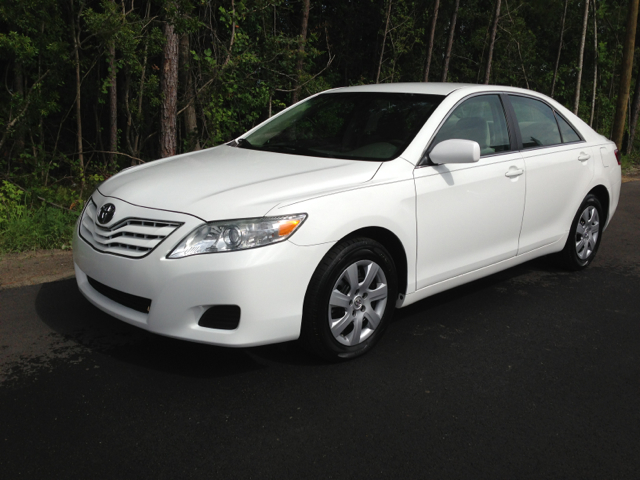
(222,317)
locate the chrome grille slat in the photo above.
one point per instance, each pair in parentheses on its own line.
(132,237)
(134,229)
(133,242)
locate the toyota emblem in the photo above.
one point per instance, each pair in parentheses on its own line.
(106,213)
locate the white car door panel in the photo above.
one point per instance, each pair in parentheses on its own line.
(557,180)
(559,167)
(468,216)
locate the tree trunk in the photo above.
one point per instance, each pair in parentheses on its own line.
(233,32)
(635,110)
(576,102)
(432,33)
(595,62)
(384,40)
(614,66)
(113,106)
(555,70)
(76,54)
(484,42)
(625,76)
(169,89)
(19,86)
(98,127)
(190,121)
(136,143)
(301,42)
(494,29)
(452,30)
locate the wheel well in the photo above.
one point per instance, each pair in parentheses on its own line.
(603,196)
(393,244)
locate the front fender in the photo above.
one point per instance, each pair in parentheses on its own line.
(388,202)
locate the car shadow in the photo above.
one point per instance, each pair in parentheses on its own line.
(547,266)
(62,307)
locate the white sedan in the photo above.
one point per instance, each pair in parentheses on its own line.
(320,222)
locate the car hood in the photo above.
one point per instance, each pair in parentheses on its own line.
(229,182)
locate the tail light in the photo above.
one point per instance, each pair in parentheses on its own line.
(617,153)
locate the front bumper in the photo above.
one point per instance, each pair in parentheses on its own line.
(267,283)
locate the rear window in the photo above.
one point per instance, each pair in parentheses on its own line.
(568,133)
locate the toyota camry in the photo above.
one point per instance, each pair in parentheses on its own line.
(318,223)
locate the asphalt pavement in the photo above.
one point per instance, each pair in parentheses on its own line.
(530,373)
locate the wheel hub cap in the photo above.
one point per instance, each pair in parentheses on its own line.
(357,302)
(587,231)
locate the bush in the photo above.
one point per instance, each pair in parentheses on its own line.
(32,227)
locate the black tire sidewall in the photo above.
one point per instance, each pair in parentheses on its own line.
(572,260)
(321,287)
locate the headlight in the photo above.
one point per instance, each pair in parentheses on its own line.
(234,235)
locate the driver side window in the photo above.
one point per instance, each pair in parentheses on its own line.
(480,119)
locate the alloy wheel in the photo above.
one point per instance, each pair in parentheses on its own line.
(357,302)
(587,231)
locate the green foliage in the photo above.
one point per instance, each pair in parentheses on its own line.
(241,65)
(11,204)
(403,35)
(38,227)
(41,228)
(19,46)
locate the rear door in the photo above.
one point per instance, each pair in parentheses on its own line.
(559,165)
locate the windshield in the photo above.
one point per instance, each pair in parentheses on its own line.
(356,126)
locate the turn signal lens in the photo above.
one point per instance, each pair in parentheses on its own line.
(287,226)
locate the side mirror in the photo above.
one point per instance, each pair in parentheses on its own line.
(455,150)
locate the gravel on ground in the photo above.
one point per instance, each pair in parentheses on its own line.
(35,267)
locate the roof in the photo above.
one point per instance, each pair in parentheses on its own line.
(432,88)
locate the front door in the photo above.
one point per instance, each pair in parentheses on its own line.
(469,215)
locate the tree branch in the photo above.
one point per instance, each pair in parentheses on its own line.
(117,153)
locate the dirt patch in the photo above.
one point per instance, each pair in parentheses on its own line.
(32,268)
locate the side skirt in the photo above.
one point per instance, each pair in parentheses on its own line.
(481,273)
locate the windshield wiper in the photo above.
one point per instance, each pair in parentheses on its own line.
(283,148)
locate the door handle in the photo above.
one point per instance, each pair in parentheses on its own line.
(584,156)
(514,172)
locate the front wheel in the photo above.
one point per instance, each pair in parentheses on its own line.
(350,300)
(585,235)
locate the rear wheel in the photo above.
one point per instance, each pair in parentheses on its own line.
(585,235)
(350,300)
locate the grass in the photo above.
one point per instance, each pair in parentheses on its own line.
(27,225)
(36,229)
(630,164)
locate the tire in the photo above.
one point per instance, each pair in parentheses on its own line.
(584,236)
(350,300)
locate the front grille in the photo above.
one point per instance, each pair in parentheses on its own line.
(134,302)
(132,237)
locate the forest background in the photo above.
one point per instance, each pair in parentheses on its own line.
(94,86)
